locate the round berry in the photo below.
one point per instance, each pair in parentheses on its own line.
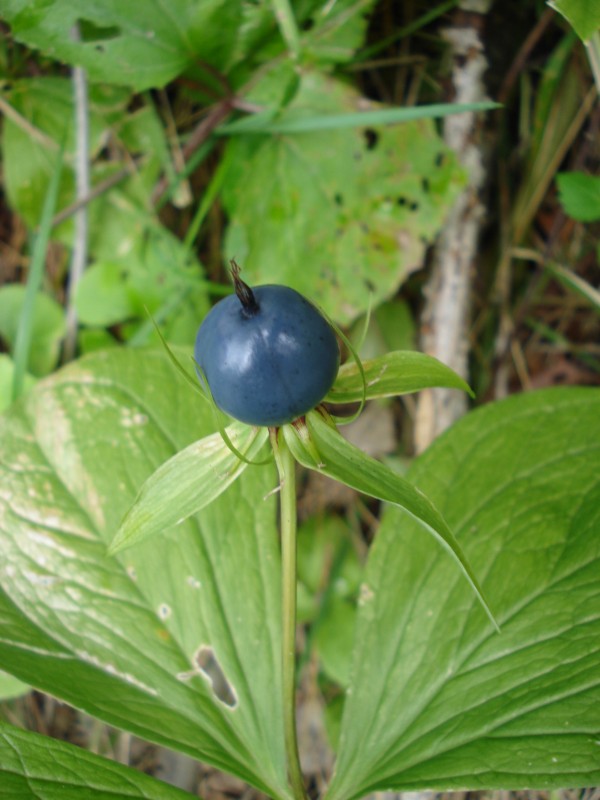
(268,355)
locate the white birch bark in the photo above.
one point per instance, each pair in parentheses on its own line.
(446,317)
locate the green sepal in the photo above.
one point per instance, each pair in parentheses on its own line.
(188,482)
(218,417)
(189,379)
(358,366)
(400,372)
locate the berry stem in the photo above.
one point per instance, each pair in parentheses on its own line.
(243,291)
(287,476)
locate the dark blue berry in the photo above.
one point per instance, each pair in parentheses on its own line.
(268,355)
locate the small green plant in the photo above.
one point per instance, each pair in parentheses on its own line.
(267,356)
(187,638)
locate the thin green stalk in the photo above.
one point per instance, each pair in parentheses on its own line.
(287,476)
(190,166)
(35,277)
(415,25)
(209,197)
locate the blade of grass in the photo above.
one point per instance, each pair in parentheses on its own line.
(208,198)
(563,344)
(407,30)
(287,25)
(173,301)
(34,279)
(572,281)
(265,122)
(190,166)
(142,335)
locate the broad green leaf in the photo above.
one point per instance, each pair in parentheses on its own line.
(579,195)
(330,454)
(11,687)
(103,297)
(47,769)
(582,15)
(401,372)
(143,45)
(437,699)
(188,482)
(91,339)
(47,326)
(176,640)
(343,215)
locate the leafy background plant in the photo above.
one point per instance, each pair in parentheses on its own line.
(211,136)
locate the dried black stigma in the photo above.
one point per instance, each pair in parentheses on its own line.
(243,291)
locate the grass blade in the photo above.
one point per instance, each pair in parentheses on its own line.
(34,279)
(266,122)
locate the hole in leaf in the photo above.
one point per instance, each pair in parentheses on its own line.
(425,184)
(401,201)
(439,159)
(307,24)
(338,199)
(372,137)
(90,32)
(211,669)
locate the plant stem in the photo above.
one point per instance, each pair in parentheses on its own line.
(35,277)
(287,476)
(83,181)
